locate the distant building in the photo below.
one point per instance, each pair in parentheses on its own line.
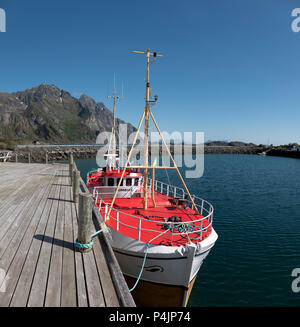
(292,148)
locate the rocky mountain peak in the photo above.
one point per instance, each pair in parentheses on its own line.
(47,113)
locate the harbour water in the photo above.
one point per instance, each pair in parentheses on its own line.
(257,217)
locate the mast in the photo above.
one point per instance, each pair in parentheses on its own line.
(146,146)
(115,98)
(146,114)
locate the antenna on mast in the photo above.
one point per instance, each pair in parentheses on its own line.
(115,98)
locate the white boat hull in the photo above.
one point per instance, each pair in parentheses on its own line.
(175,267)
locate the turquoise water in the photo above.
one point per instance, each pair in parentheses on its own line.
(257,218)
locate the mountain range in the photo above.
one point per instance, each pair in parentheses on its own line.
(48,114)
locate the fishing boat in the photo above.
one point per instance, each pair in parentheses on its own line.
(160,232)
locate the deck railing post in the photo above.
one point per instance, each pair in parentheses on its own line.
(168,189)
(105,212)
(76,180)
(16,157)
(202,203)
(201,230)
(139,229)
(117,220)
(46,160)
(28,157)
(174,192)
(85,222)
(193,200)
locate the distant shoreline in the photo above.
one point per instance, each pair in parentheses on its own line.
(61,152)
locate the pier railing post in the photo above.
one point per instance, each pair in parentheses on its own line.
(28,157)
(71,165)
(16,157)
(46,158)
(85,222)
(76,181)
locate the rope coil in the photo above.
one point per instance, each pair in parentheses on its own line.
(89,245)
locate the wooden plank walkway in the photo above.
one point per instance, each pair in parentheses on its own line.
(39,265)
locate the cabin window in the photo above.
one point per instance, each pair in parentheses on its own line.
(136,182)
(110,182)
(128,182)
(118,180)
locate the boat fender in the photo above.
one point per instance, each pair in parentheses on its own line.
(180,250)
(198,250)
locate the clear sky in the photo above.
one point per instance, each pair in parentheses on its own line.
(231,68)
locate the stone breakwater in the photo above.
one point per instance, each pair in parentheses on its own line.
(53,154)
(283,153)
(38,155)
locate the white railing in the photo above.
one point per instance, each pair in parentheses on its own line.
(203,207)
(124,191)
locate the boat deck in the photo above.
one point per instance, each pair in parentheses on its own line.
(39,265)
(153,219)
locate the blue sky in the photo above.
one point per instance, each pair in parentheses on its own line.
(230,69)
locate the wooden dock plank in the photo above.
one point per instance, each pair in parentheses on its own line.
(21,242)
(38,226)
(68,295)
(110,296)
(53,297)
(23,287)
(14,221)
(38,289)
(82,298)
(94,288)
(14,199)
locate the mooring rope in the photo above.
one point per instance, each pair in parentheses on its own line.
(144,261)
(142,269)
(89,245)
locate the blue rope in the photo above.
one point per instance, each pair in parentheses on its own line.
(140,275)
(88,245)
(167,227)
(83,246)
(99,231)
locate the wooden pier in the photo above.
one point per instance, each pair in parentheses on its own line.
(39,264)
